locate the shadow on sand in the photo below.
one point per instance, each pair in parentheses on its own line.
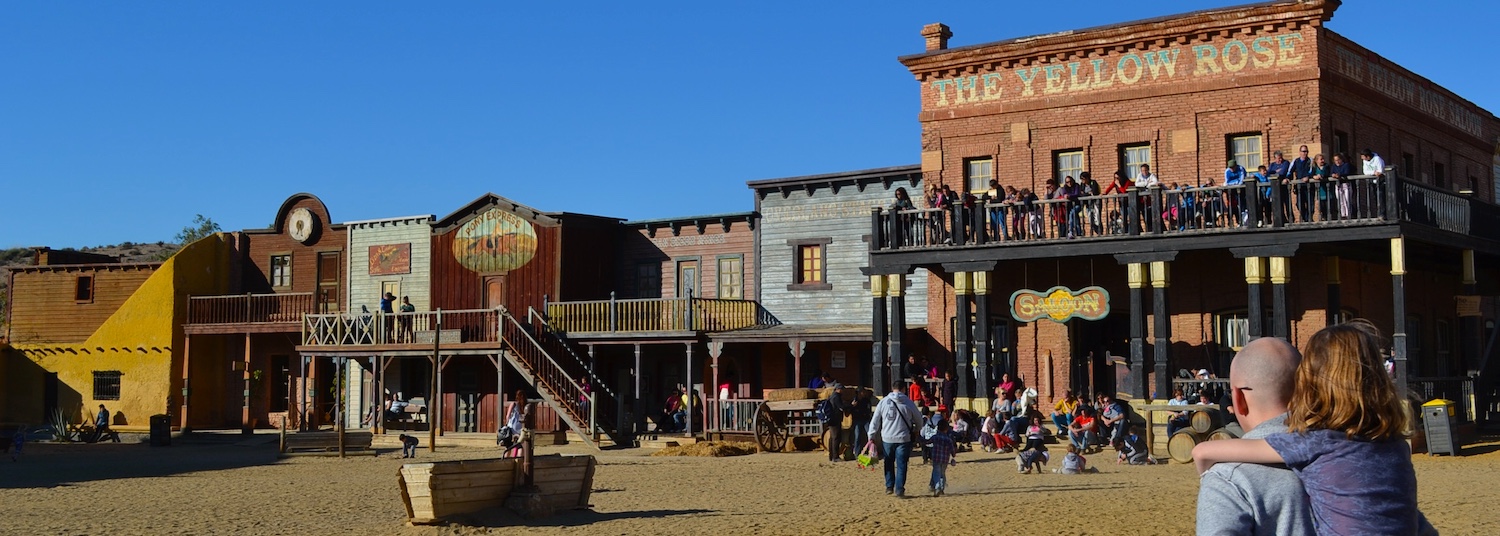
(501,517)
(47,465)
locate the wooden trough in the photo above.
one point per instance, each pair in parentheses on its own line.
(326,443)
(436,491)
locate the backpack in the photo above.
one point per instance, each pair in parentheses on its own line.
(827,412)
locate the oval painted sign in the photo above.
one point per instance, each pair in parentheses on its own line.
(1059,304)
(494,241)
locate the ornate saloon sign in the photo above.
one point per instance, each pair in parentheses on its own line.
(1059,304)
(495,241)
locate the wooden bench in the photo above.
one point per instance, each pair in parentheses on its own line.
(326,443)
(415,412)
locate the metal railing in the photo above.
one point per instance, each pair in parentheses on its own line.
(1459,389)
(249,308)
(732,416)
(1157,211)
(359,329)
(656,314)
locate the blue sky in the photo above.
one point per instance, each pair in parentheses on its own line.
(121,120)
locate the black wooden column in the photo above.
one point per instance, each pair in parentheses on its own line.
(1335,302)
(895,288)
(1398,308)
(1139,386)
(961,327)
(1163,331)
(1281,273)
(877,332)
(1255,275)
(1469,333)
(982,339)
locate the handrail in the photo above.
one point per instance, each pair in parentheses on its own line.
(655,314)
(360,329)
(1160,210)
(249,308)
(549,376)
(532,317)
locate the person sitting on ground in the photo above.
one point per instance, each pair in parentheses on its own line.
(1083,432)
(1133,449)
(1074,463)
(1177,420)
(1034,454)
(1063,411)
(962,428)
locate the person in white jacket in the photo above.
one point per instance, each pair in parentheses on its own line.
(892,423)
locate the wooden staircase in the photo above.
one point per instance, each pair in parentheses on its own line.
(533,351)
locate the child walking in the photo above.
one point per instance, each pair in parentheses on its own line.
(943,455)
(1346,441)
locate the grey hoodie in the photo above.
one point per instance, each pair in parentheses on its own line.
(895,416)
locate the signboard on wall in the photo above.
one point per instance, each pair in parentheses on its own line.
(1059,304)
(390,259)
(495,241)
(839,360)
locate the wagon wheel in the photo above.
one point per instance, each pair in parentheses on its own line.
(769,434)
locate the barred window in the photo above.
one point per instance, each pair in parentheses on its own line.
(106,385)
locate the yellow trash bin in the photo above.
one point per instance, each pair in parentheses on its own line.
(1443,403)
(1437,422)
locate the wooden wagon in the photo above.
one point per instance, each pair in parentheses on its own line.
(790,413)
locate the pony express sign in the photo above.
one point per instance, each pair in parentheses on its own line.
(1059,304)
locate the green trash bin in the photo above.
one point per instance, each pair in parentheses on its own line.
(161,431)
(1437,423)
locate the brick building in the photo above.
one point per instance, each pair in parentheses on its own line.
(1184,94)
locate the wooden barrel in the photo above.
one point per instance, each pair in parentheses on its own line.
(1180,445)
(1222,433)
(1205,421)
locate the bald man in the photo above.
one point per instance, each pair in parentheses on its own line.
(1244,498)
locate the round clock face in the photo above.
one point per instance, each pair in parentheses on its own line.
(301,224)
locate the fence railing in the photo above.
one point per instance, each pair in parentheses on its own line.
(732,416)
(249,308)
(1459,389)
(551,378)
(357,329)
(1158,211)
(656,314)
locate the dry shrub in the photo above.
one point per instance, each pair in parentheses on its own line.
(714,449)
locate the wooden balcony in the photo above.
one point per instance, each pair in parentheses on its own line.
(248,313)
(1216,216)
(656,315)
(395,332)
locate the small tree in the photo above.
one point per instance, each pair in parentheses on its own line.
(202,226)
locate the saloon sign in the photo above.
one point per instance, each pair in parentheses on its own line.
(1059,304)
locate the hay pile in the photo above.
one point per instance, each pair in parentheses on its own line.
(713,449)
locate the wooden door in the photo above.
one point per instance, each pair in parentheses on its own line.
(494,291)
(687,280)
(329,271)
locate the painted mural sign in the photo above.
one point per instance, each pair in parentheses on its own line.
(390,259)
(1059,304)
(1396,85)
(1124,70)
(494,241)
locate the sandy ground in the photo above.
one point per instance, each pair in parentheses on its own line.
(224,485)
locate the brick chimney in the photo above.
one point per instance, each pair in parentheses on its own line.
(937,35)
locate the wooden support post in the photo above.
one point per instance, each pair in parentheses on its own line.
(693,394)
(1469,332)
(895,288)
(982,336)
(1281,273)
(187,391)
(340,394)
(1255,275)
(796,347)
(1139,385)
(245,427)
(877,327)
(1162,346)
(1398,309)
(962,288)
(1334,309)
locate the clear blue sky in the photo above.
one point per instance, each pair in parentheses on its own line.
(121,120)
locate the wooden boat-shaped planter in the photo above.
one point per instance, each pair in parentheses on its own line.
(434,492)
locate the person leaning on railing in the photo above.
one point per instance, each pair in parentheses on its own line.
(1302,174)
(1340,172)
(1234,196)
(996,211)
(1319,173)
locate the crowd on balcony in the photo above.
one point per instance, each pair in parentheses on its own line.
(1306,189)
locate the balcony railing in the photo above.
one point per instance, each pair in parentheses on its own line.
(364,329)
(1157,211)
(249,308)
(657,314)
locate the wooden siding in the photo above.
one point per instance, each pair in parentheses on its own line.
(844,219)
(708,246)
(364,289)
(457,287)
(260,245)
(589,253)
(43,308)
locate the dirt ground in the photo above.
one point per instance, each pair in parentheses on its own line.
(229,486)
